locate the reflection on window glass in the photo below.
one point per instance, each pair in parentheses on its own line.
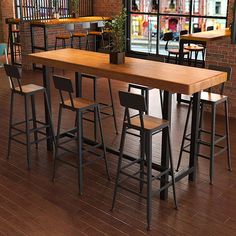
(143,33)
(207,24)
(175,6)
(210,8)
(144,5)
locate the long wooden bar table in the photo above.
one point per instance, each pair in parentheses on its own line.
(168,77)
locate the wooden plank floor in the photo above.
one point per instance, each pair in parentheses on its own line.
(30,204)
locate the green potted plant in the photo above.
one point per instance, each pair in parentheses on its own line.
(74,8)
(117,31)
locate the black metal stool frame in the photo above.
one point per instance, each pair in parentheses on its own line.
(16,88)
(137,102)
(64,85)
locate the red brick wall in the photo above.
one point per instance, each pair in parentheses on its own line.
(107,7)
(6,8)
(222,52)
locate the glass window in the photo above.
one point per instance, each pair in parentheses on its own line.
(143,33)
(151,19)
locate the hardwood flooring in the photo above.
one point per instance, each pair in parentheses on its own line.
(31,204)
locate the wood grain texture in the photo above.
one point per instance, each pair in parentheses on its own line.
(69,20)
(170,77)
(207,35)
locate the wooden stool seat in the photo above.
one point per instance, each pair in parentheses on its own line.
(78,103)
(176,51)
(79,35)
(63,37)
(212,97)
(16,31)
(97,33)
(194,48)
(29,88)
(150,123)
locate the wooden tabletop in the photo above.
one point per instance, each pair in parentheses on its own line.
(170,77)
(69,20)
(207,35)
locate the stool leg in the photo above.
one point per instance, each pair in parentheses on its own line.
(50,119)
(149,178)
(172,170)
(27,131)
(184,135)
(10,124)
(112,106)
(103,142)
(79,150)
(79,42)
(161,100)
(122,142)
(147,100)
(71,41)
(142,155)
(168,58)
(227,135)
(34,121)
(55,47)
(57,142)
(190,58)
(94,114)
(195,61)
(212,148)
(203,59)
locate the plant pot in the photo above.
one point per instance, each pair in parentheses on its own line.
(117,57)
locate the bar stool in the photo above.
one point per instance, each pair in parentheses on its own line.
(196,49)
(145,93)
(103,106)
(98,36)
(63,37)
(79,106)
(79,36)
(148,126)
(212,100)
(175,51)
(28,92)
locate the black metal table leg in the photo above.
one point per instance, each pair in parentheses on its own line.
(167,101)
(46,84)
(78,84)
(194,135)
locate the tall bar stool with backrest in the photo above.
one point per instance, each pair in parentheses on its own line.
(148,126)
(98,36)
(103,106)
(67,36)
(79,106)
(212,100)
(80,35)
(196,49)
(28,92)
(175,51)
